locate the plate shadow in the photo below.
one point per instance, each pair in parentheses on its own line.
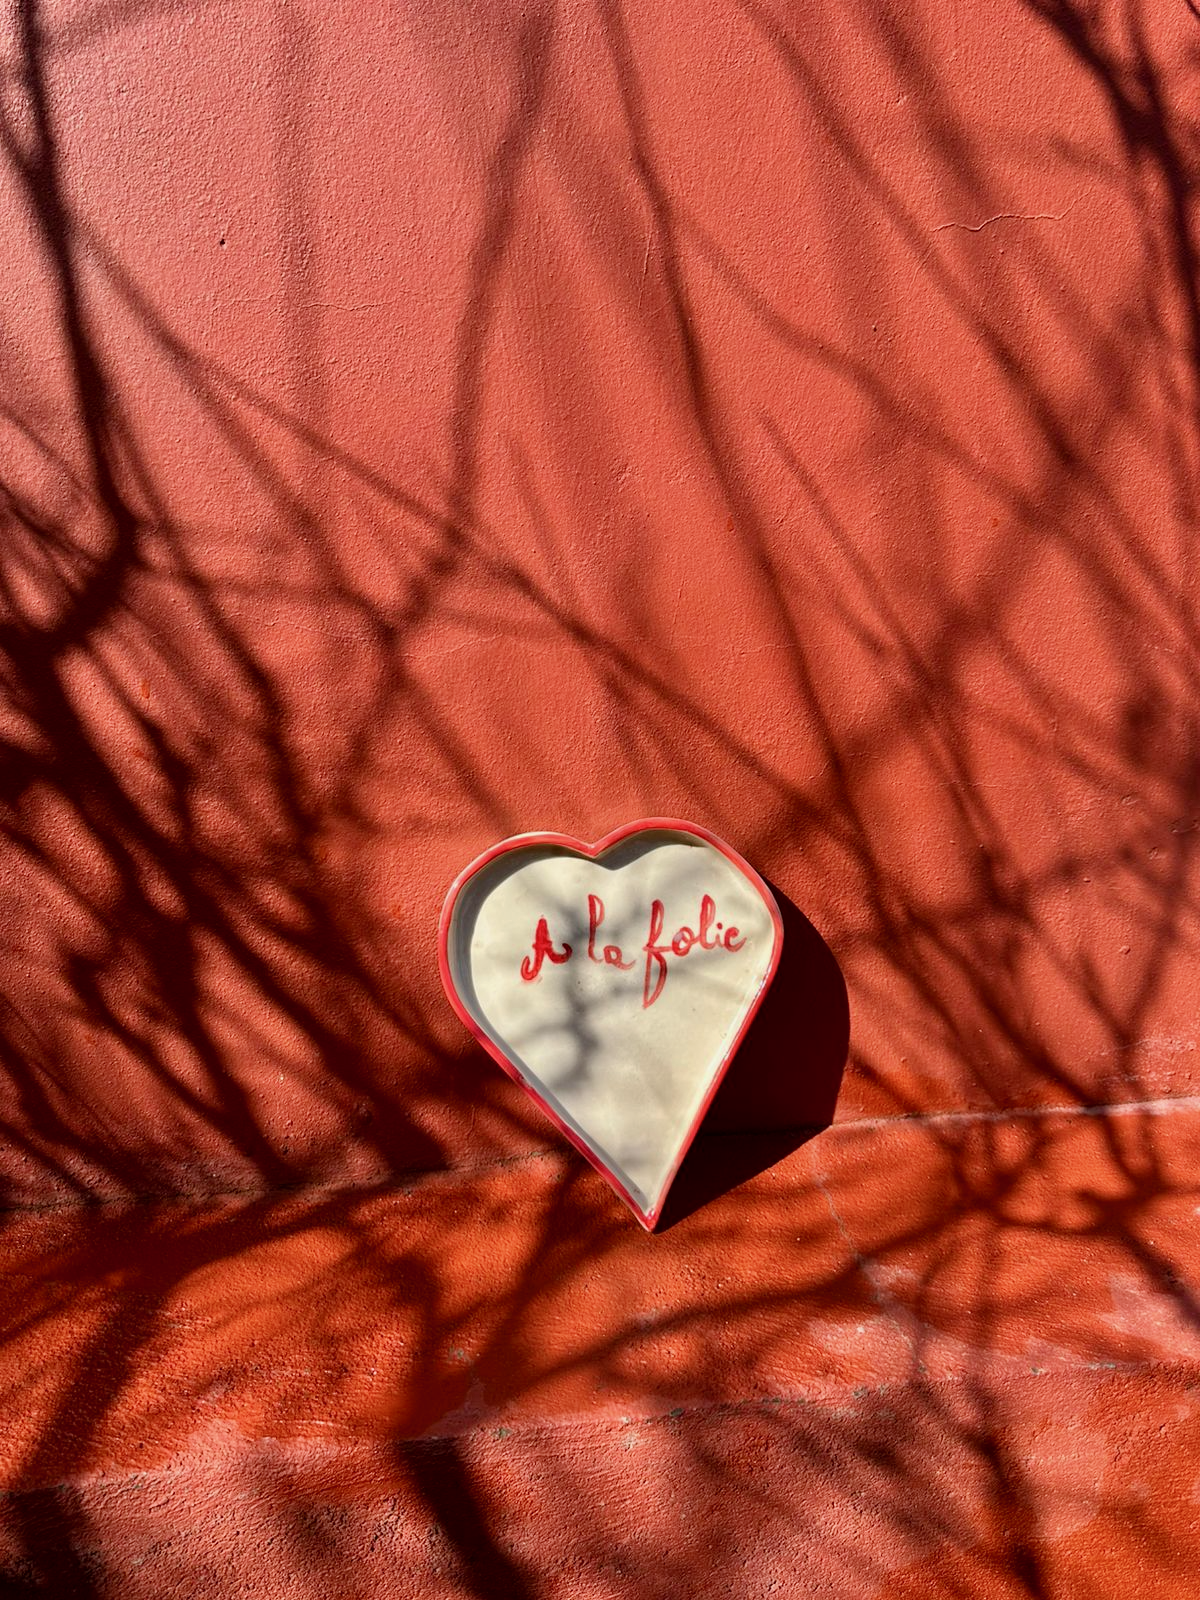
(782,1086)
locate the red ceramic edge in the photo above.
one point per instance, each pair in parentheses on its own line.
(526,841)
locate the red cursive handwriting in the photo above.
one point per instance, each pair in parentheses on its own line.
(542,947)
(708,935)
(612,952)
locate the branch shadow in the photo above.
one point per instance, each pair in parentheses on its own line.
(213,987)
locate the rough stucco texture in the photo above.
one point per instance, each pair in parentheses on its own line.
(421,423)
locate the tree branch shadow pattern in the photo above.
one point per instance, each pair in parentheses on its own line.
(223,736)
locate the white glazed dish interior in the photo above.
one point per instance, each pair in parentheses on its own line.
(628,1077)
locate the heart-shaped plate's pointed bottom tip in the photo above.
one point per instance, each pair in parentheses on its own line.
(614,982)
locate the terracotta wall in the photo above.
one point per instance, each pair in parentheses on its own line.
(424,422)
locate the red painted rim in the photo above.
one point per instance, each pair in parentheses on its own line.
(563,841)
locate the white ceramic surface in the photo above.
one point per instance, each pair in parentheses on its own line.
(671,942)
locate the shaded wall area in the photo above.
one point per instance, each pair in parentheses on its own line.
(424,424)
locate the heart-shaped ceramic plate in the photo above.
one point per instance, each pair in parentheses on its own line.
(614,982)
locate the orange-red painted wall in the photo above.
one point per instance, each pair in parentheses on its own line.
(425,423)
